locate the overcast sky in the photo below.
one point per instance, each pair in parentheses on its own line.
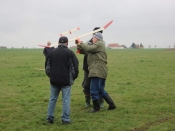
(27,23)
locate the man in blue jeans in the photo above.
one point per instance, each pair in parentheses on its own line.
(97,66)
(62,69)
(87,81)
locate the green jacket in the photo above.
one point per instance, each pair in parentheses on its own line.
(96,59)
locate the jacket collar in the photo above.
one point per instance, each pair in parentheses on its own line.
(62,45)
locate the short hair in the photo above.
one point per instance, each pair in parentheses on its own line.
(48,43)
(96,28)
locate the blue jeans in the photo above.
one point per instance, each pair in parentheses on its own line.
(54,93)
(97,88)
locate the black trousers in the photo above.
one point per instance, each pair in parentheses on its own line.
(86,83)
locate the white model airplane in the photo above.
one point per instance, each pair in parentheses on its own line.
(81,36)
(67,32)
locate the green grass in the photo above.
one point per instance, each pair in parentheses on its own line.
(140,81)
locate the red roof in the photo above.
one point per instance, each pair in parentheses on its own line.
(113,45)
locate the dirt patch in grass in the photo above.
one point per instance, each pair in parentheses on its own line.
(172,49)
(156,122)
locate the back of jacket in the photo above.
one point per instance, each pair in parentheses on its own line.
(62,66)
(97,59)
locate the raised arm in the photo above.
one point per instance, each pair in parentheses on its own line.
(90,48)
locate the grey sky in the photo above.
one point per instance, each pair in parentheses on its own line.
(25,23)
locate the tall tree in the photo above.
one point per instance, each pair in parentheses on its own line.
(133,45)
(141,45)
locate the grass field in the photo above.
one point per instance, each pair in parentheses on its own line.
(140,81)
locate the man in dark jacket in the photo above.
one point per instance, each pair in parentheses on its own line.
(86,81)
(62,69)
(47,50)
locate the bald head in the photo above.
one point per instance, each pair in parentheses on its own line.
(48,43)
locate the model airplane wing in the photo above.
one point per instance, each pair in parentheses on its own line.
(84,35)
(70,31)
(67,32)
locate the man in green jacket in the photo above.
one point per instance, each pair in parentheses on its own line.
(86,80)
(97,66)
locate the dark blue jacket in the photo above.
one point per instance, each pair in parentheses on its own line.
(62,66)
(47,50)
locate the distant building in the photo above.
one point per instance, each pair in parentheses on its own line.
(3,47)
(136,46)
(116,46)
(124,46)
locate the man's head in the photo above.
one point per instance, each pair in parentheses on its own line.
(96,28)
(48,43)
(63,40)
(97,36)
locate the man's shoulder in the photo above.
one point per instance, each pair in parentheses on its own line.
(100,42)
(59,49)
(71,52)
